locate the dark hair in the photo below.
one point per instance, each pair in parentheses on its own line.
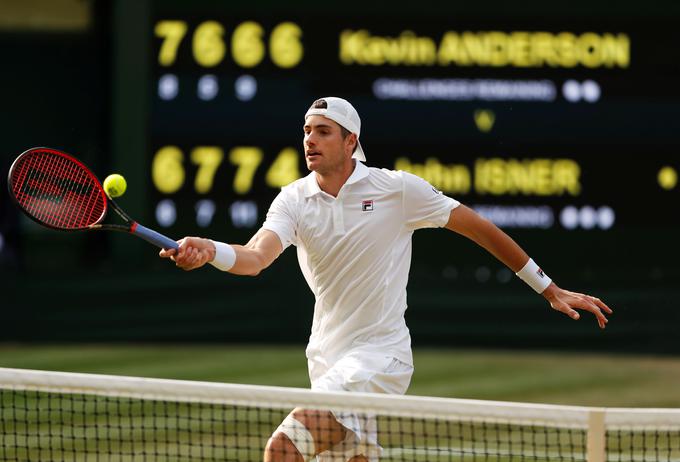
(320,104)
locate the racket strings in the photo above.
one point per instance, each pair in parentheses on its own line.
(46,165)
(33,172)
(79,214)
(43,209)
(58,191)
(76,211)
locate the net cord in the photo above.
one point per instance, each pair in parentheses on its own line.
(280,397)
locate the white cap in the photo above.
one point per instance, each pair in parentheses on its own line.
(341,111)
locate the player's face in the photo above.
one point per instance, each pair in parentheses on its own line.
(326,150)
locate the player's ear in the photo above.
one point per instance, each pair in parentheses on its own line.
(351,142)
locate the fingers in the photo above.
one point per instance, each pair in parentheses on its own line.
(597,306)
(185,257)
(167,253)
(189,257)
(584,302)
(566,309)
(588,305)
(602,305)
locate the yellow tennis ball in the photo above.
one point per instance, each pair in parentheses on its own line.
(115,185)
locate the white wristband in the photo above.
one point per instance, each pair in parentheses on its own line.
(534,276)
(225,256)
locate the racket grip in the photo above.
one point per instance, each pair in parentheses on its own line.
(154,237)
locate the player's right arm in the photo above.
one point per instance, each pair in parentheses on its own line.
(277,233)
(262,249)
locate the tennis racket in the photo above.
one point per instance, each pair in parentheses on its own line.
(58,191)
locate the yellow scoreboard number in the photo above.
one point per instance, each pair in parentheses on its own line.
(247,44)
(168,170)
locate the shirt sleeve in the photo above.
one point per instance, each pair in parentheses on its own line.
(281,219)
(424,205)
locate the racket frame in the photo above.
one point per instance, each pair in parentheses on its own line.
(130,227)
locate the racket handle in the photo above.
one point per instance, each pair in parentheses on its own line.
(153,237)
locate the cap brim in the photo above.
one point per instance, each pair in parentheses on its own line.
(359,152)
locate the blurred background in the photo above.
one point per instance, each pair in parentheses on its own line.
(559,123)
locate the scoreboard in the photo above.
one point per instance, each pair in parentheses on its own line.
(548,124)
(558,121)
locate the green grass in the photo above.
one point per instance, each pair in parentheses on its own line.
(82,428)
(546,377)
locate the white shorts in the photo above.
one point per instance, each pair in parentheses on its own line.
(359,372)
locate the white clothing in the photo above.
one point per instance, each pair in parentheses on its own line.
(358,372)
(355,252)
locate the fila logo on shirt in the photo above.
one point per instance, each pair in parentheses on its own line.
(366,206)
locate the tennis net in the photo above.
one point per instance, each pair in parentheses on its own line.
(57,416)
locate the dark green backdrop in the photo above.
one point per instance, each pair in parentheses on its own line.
(87,92)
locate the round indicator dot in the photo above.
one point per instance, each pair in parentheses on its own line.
(591,91)
(245,87)
(243,214)
(166,213)
(168,87)
(605,217)
(482,274)
(571,91)
(588,217)
(569,217)
(504,275)
(668,178)
(205,211)
(208,87)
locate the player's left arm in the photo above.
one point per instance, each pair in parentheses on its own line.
(468,223)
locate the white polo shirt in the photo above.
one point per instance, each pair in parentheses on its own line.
(355,252)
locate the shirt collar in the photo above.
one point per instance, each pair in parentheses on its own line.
(360,171)
(312,186)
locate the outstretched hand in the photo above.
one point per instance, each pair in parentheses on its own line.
(566,301)
(193,252)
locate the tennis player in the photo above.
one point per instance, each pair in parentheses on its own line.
(352,227)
